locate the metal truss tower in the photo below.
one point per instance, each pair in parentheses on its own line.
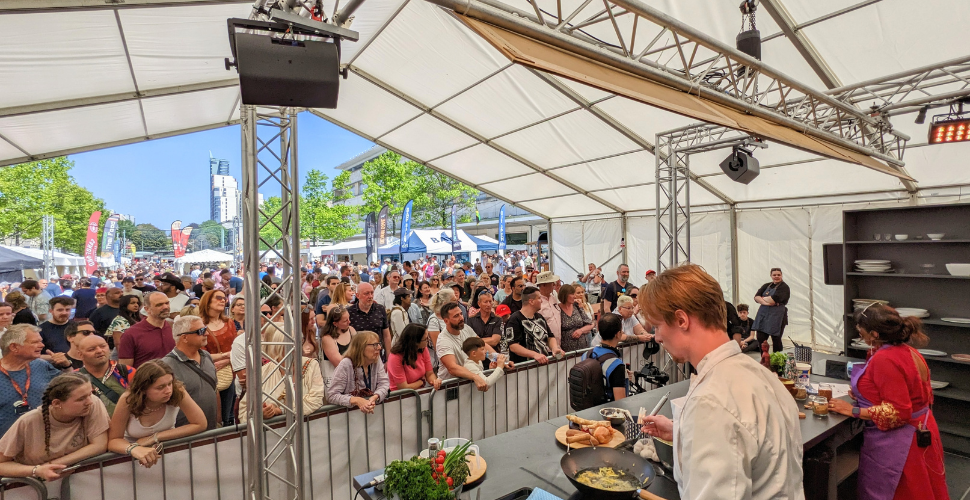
(47,244)
(275,448)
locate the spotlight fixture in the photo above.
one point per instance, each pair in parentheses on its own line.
(951,127)
(741,165)
(921,116)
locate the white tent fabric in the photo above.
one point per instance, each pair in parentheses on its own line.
(204,256)
(345,247)
(60,259)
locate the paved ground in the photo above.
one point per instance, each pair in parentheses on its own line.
(957,476)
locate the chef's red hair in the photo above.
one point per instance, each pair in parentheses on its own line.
(685,288)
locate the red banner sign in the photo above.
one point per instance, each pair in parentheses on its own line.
(185,240)
(91,245)
(176,237)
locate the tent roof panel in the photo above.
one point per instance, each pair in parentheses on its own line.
(480,164)
(567,206)
(591,94)
(571,138)
(433,62)
(71,128)
(78,55)
(426,138)
(368,108)
(635,198)
(512,99)
(821,178)
(368,21)
(8,151)
(614,172)
(646,121)
(196,33)
(529,187)
(171,113)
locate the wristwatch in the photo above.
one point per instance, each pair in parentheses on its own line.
(855,411)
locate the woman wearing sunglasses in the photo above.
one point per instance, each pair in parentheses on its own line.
(360,380)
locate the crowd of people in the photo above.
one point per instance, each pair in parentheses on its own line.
(131,359)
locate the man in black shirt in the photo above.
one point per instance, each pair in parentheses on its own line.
(368,315)
(102,317)
(491,276)
(514,301)
(85,299)
(527,334)
(52,330)
(614,290)
(142,286)
(744,335)
(617,384)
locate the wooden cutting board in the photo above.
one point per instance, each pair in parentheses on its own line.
(476,469)
(618,438)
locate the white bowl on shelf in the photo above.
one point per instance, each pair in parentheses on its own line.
(902,237)
(935,236)
(958,269)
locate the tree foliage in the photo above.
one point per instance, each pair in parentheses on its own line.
(145,237)
(321,217)
(29,191)
(390,180)
(209,234)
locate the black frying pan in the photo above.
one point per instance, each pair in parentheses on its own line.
(584,458)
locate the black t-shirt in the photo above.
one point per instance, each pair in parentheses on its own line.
(54,338)
(24,316)
(102,317)
(617,377)
(86,303)
(530,333)
(197,290)
(780,295)
(494,279)
(514,305)
(613,291)
(146,288)
(733,321)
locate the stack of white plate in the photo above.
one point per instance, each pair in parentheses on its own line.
(873,266)
(858,343)
(860,304)
(913,311)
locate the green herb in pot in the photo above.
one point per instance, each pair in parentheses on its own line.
(411,480)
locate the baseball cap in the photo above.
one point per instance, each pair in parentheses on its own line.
(649,272)
(67,277)
(503,310)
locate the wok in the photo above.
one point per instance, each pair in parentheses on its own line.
(601,456)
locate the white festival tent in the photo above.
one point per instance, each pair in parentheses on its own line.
(204,257)
(425,85)
(437,241)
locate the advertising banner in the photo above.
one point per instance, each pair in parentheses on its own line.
(108,237)
(501,228)
(455,244)
(184,244)
(405,225)
(382,227)
(370,232)
(91,245)
(176,237)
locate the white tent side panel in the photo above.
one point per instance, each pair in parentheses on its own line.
(567,250)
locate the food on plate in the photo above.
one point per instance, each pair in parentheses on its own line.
(576,436)
(608,478)
(603,434)
(589,423)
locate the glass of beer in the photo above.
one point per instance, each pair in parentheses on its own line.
(825,391)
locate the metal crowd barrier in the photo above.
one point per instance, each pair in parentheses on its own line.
(529,394)
(341,443)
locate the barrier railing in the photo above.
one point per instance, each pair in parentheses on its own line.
(529,394)
(340,444)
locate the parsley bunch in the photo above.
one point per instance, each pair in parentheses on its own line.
(412,480)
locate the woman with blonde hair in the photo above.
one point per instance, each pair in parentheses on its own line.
(360,380)
(145,414)
(341,295)
(70,425)
(273,380)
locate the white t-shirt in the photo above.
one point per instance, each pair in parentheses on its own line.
(451,344)
(237,358)
(176,303)
(629,324)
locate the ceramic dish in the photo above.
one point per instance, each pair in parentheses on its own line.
(938,384)
(962,321)
(935,236)
(958,269)
(931,352)
(902,237)
(961,357)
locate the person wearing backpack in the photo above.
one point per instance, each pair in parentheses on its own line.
(601,376)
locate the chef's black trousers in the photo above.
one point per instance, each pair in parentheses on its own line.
(776,345)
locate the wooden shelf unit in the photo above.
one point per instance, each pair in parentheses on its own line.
(943,295)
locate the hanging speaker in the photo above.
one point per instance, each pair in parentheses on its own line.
(740,166)
(749,42)
(285,72)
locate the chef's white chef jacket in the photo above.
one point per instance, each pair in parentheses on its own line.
(736,434)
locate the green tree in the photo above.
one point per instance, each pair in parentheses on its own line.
(206,235)
(31,190)
(322,216)
(390,180)
(270,232)
(148,238)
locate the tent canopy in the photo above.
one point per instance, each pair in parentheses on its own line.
(15,261)
(60,259)
(204,256)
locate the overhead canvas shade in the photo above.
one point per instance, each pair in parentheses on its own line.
(538,55)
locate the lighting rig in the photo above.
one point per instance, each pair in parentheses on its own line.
(951,127)
(289,53)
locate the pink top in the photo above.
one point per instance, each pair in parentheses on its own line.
(400,373)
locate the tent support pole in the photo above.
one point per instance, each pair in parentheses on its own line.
(735,280)
(623,237)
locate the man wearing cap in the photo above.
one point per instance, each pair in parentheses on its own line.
(550,303)
(651,274)
(86,300)
(67,286)
(174,289)
(129,288)
(398,316)
(459,289)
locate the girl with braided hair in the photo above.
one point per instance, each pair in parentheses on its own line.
(71,425)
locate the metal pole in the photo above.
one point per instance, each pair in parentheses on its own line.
(47,242)
(735,280)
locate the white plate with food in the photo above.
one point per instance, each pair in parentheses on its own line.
(931,352)
(962,321)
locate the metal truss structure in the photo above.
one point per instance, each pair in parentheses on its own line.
(275,450)
(47,244)
(696,63)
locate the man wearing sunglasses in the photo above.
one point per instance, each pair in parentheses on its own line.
(193,367)
(142,284)
(75,332)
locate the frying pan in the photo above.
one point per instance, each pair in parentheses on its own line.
(601,456)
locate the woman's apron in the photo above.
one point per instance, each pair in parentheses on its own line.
(884,453)
(770,319)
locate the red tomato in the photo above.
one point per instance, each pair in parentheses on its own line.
(450,481)
(440,460)
(442,453)
(440,469)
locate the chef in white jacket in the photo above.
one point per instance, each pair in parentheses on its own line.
(736,434)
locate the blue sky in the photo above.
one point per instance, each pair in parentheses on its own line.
(167,179)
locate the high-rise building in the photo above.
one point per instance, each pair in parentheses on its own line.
(225,198)
(217,166)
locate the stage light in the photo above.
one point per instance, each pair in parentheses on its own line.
(921,116)
(949,130)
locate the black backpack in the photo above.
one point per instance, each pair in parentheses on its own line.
(587,381)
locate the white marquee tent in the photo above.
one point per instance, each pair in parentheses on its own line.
(204,256)
(423,84)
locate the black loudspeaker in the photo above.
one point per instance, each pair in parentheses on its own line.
(749,42)
(741,167)
(275,72)
(832,259)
